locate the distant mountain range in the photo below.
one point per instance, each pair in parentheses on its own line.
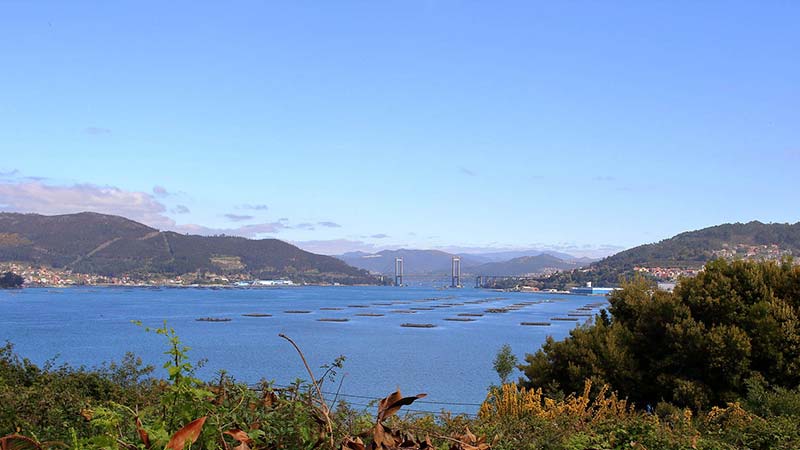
(428,262)
(524,265)
(692,249)
(113,246)
(414,261)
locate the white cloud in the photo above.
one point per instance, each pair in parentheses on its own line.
(35,196)
(40,198)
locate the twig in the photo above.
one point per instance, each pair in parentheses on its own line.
(323,405)
(339,388)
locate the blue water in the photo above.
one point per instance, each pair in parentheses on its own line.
(452,363)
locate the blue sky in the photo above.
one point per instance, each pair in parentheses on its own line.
(578,126)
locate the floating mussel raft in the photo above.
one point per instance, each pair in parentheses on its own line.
(213,319)
(333,319)
(418,325)
(257,315)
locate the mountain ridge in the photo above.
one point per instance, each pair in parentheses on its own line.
(690,250)
(109,245)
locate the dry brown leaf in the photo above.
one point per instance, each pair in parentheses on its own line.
(18,442)
(468,441)
(87,414)
(188,433)
(142,433)
(353,444)
(391,404)
(242,437)
(239,435)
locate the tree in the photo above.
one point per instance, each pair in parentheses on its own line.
(10,280)
(504,363)
(695,347)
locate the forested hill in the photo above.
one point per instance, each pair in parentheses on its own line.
(524,265)
(112,245)
(691,249)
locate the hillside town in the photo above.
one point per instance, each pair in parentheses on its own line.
(41,276)
(729,252)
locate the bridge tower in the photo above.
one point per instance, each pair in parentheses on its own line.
(398,271)
(456,272)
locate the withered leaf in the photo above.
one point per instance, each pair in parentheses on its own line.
(18,442)
(142,433)
(353,444)
(188,433)
(242,437)
(391,404)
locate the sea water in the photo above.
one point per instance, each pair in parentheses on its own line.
(451,362)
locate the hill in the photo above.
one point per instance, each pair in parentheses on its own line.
(414,261)
(512,254)
(691,250)
(524,265)
(112,246)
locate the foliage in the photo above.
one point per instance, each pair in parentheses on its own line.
(695,347)
(504,363)
(10,280)
(51,400)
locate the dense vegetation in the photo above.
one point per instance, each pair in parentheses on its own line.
(691,249)
(114,246)
(733,328)
(10,280)
(712,366)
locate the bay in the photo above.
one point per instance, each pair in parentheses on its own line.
(451,362)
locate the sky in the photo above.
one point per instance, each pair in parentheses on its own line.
(584,127)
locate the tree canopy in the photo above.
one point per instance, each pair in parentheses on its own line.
(701,345)
(10,280)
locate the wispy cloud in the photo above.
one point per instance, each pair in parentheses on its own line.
(305,226)
(9,174)
(180,209)
(160,191)
(259,207)
(379,236)
(466,171)
(604,178)
(329,224)
(335,246)
(574,249)
(96,131)
(238,217)
(248,231)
